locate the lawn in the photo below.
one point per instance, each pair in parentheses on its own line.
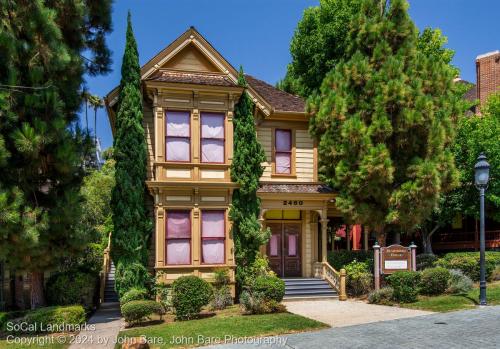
(446,303)
(214,330)
(36,342)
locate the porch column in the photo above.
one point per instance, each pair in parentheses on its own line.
(365,235)
(348,236)
(324,227)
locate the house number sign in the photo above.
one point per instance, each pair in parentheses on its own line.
(293,202)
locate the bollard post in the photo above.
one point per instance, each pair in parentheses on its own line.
(413,249)
(343,294)
(376,265)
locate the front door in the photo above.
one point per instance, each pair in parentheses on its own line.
(283,249)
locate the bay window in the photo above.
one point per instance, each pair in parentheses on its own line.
(178,237)
(212,137)
(178,136)
(213,236)
(283,151)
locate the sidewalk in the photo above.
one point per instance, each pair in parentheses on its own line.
(106,323)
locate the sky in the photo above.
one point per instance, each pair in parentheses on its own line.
(257,34)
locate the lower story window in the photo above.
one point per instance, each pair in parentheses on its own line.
(213,236)
(178,237)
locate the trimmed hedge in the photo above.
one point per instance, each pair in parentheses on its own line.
(434,281)
(339,259)
(134,294)
(468,263)
(70,288)
(405,285)
(189,294)
(271,287)
(55,318)
(383,296)
(137,311)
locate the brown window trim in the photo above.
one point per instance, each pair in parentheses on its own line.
(177,137)
(212,238)
(190,239)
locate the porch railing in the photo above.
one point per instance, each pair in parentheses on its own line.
(106,264)
(336,279)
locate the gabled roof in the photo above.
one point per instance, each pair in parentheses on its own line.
(279,100)
(200,78)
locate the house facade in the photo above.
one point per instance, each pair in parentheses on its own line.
(189,94)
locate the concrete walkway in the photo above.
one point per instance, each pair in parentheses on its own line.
(103,328)
(348,313)
(477,329)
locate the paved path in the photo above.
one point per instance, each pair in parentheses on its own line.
(339,314)
(103,328)
(468,329)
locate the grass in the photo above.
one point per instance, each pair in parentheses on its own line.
(447,303)
(48,342)
(214,330)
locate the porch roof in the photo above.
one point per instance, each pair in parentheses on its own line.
(201,78)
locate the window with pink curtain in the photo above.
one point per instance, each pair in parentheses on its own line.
(178,136)
(178,237)
(283,151)
(292,245)
(212,137)
(212,237)
(273,245)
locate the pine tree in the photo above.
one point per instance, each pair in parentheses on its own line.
(384,123)
(131,225)
(246,169)
(41,147)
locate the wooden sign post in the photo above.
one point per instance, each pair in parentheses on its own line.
(388,260)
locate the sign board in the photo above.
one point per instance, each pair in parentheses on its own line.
(395,258)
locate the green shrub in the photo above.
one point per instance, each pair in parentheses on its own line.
(138,311)
(59,319)
(3,320)
(459,283)
(162,292)
(271,287)
(339,259)
(495,275)
(468,263)
(222,298)
(134,294)
(426,260)
(405,285)
(131,275)
(69,288)
(256,303)
(383,296)
(434,281)
(359,278)
(189,295)
(221,277)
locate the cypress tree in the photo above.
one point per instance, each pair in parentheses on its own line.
(131,225)
(384,123)
(246,170)
(41,148)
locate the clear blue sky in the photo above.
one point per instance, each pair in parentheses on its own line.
(257,33)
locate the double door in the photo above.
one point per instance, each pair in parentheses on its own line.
(284,249)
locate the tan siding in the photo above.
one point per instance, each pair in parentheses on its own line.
(148,124)
(304,155)
(190,59)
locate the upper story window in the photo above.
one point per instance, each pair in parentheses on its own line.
(283,151)
(178,237)
(178,136)
(213,237)
(212,137)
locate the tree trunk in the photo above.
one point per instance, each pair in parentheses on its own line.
(37,294)
(427,239)
(397,238)
(381,237)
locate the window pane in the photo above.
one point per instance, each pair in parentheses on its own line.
(292,245)
(178,251)
(212,224)
(213,251)
(273,245)
(178,123)
(212,150)
(283,140)
(212,126)
(283,163)
(178,149)
(178,225)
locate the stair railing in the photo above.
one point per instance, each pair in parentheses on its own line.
(106,265)
(336,279)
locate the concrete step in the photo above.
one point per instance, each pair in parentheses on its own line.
(297,298)
(308,288)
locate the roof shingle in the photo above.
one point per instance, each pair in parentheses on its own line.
(312,188)
(279,100)
(193,78)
